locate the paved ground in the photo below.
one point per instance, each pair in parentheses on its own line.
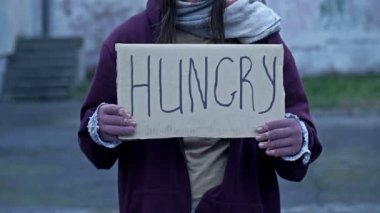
(42,169)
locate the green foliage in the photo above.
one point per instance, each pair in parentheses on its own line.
(344,91)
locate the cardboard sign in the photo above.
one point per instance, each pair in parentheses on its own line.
(216,91)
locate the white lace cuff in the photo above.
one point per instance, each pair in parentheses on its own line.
(305,152)
(93,129)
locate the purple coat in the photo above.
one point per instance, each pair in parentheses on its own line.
(153,175)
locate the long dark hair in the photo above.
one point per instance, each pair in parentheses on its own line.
(168,19)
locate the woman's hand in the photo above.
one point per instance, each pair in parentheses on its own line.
(280,138)
(114,121)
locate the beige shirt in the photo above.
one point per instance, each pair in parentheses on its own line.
(206,162)
(206,157)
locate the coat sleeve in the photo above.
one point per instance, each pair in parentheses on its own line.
(296,102)
(103,89)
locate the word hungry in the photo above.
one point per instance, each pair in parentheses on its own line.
(211,78)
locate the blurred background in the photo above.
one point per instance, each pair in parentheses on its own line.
(48,54)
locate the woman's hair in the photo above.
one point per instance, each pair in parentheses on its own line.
(168,21)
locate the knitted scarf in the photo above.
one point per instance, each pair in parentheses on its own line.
(245,20)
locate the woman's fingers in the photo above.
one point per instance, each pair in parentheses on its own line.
(282,123)
(117,130)
(114,121)
(262,129)
(281,143)
(280,138)
(124,113)
(280,133)
(277,124)
(114,115)
(282,152)
(263,137)
(117,121)
(109,109)
(275,134)
(279,148)
(112,109)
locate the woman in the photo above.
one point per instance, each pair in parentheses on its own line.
(198,174)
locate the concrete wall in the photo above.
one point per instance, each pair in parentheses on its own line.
(92,19)
(17,18)
(324,35)
(332,35)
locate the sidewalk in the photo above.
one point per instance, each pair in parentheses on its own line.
(43,170)
(42,166)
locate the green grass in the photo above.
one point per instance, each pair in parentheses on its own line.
(344,91)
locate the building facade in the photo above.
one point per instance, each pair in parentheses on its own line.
(332,36)
(18,18)
(326,36)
